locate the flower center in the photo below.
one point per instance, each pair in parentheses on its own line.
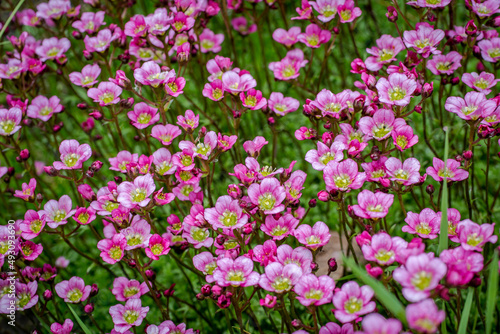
(423,228)
(384,256)
(71,159)
(494,52)
(328,11)
(353,305)
(157,249)
(36,226)
(130,316)
(402,141)
(422,43)
(235,276)
(74,295)
(138,195)
(401,174)
(229,218)
(202,149)
(130,291)
(217,94)
(144,118)
(397,93)
(443,66)
(134,239)
(279,231)
(385,54)
(53,52)
(7,126)
(110,206)
(446,173)
(59,215)
(282,284)
(345,14)
(281,107)
(178,25)
(314,294)
(421,280)
(266,201)
(45,111)
(474,239)
(288,71)
(107,97)
(313,240)
(342,181)
(24,299)
(381,130)
(115,252)
(83,218)
(199,234)
(210,268)
(187,189)
(163,168)
(207,44)
(481,83)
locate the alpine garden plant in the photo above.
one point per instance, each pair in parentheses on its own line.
(201,166)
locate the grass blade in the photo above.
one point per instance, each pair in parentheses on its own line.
(383,295)
(14,12)
(462,327)
(85,329)
(443,232)
(491,293)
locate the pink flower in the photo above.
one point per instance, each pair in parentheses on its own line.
(343,176)
(137,234)
(106,93)
(397,90)
(352,301)
(73,291)
(282,105)
(253,99)
(28,191)
(214,90)
(333,328)
(53,9)
(480,82)
(287,38)
(86,78)
(150,74)
(84,216)
(373,205)
(289,67)
(445,64)
(473,236)
(101,42)
(174,85)
(89,22)
(462,265)
(30,250)
(403,137)
(43,108)
(241,25)
(383,248)
(279,228)
(268,196)
(227,214)
(300,256)
(125,289)
(73,155)
(485,8)
(112,250)
(169,327)
(157,246)
(235,273)
(313,237)
(326,8)
(136,26)
(9,121)
(205,263)
(12,70)
(32,225)
(424,40)
(131,194)
(323,155)
(57,212)
(189,121)
(374,323)
(143,115)
(450,172)
(385,52)
(181,22)
(314,36)
(348,12)
(406,173)
(380,125)
(472,107)
(203,149)
(162,159)
(253,147)
(490,49)
(235,83)
(27,17)
(269,301)
(210,42)
(426,224)
(158,22)
(279,278)
(65,328)
(419,276)
(424,317)
(305,11)
(53,48)
(330,104)
(313,290)
(122,160)
(165,133)
(128,315)
(25,297)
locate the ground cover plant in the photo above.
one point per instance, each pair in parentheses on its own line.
(187,166)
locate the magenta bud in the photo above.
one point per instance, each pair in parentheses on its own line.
(471,28)
(96,166)
(50,170)
(336,30)
(11,170)
(87,192)
(76,34)
(234,191)
(88,125)
(200,296)
(247,229)
(455,81)
(430,189)
(132,263)
(296,323)
(332,265)
(312,203)
(39,198)
(24,154)
(87,55)
(206,290)
(56,128)
(314,267)
(216,291)
(170,291)
(271,121)
(374,271)
(82,105)
(96,115)
(427,89)
(89,308)
(47,294)
(392,14)
(236,114)
(94,290)
(323,196)
(475,282)
(118,179)
(150,274)
(467,155)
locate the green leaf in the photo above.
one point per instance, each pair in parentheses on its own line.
(14,12)
(383,295)
(443,324)
(85,329)
(443,232)
(462,327)
(491,293)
